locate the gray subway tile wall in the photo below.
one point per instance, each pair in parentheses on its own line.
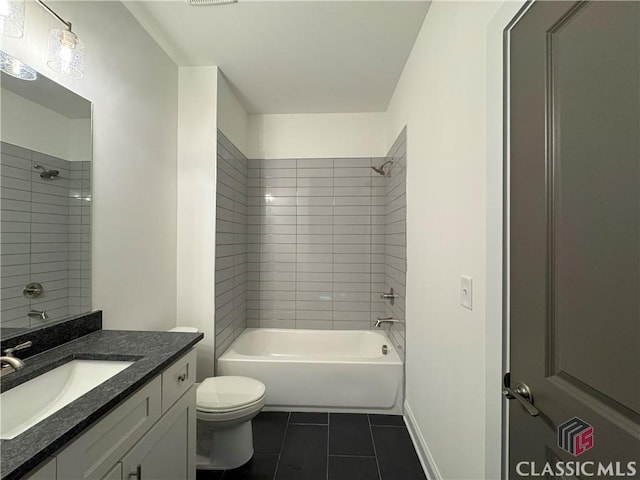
(308,243)
(316,243)
(395,234)
(231,244)
(46,227)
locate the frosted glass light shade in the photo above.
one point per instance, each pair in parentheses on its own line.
(16,68)
(66,53)
(12,18)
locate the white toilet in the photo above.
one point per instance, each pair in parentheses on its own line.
(225,406)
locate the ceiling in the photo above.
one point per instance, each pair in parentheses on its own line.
(292,56)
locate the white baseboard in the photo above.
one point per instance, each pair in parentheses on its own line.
(426,459)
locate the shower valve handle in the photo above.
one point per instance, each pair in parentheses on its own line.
(391,296)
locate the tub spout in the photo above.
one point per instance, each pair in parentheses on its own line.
(388,320)
(39,314)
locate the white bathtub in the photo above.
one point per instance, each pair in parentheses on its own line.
(319,370)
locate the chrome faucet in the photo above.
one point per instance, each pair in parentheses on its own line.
(13,362)
(389,320)
(9,360)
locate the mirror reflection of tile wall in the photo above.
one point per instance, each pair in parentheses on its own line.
(46,236)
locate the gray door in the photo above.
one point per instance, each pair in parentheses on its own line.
(574,261)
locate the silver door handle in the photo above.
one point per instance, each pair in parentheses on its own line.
(522,393)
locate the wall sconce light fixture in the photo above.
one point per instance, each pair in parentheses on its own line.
(66,50)
(12,18)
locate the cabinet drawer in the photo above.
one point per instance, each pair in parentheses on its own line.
(94,454)
(177,379)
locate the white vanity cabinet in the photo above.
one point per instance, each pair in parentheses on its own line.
(150,436)
(163,454)
(47,471)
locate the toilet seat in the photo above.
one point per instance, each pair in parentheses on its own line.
(225,397)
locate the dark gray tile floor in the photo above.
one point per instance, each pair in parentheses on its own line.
(323,446)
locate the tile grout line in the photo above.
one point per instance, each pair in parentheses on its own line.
(313,424)
(352,456)
(328,437)
(389,426)
(284,436)
(373,442)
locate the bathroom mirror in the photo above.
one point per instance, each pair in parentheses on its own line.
(45,204)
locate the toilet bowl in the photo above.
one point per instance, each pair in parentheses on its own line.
(224,409)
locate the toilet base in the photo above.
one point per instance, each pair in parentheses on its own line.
(223,449)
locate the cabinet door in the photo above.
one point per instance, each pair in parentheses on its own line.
(94,454)
(115,473)
(45,472)
(166,451)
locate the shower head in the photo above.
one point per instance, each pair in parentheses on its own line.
(47,174)
(380,170)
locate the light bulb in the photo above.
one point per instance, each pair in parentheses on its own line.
(65,59)
(66,53)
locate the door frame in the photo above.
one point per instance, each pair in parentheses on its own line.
(497,238)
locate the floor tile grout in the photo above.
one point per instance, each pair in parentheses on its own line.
(375,451)
(351,456)
(284,436)
(328,438)
(314,424)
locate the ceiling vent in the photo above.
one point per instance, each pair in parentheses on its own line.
(202,3)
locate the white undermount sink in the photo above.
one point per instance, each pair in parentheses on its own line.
(33,401)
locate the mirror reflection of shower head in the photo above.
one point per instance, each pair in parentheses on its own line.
(47,174)
(380,170)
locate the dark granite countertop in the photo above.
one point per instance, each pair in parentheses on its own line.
(152,352)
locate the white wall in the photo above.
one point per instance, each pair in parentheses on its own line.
(442,98)
(133,86)
(196,228)
(330,135)
(233,119)
(30,125)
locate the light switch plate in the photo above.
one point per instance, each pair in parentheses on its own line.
(466,291)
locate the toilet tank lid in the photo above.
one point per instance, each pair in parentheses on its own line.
(184,329)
